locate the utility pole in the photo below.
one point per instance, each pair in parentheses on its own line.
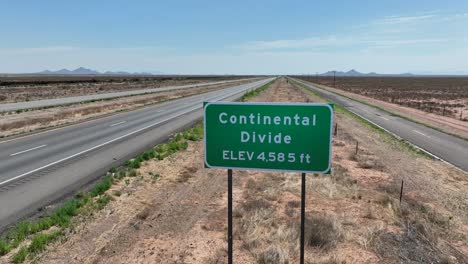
(316,77)
(334,79)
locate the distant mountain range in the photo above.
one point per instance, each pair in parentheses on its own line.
(85,71)
(353,72)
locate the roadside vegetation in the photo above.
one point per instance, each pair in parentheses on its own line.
(28,238)
(255,92)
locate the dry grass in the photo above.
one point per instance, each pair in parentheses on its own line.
(274,254)
(266,235)
(370,214)
(322,231)
(273,237)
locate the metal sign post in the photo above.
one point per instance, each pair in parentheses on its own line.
(229,216)
(268,136)
(303,197)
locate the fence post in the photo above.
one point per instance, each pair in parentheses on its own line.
(401,190)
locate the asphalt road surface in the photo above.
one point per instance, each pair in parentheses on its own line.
(449,148)
(38,169)
(76,99)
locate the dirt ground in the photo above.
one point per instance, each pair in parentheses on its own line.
(15,123)
(353,215)
(21,92)
(447,124)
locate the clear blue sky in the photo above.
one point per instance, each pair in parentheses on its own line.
(239,37)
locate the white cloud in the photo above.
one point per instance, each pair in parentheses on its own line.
(393,20)
(332,42)
(293,43)
(33,50)
(427,18)
(387,32)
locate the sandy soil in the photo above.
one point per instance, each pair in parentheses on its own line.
(352,215)
(447,124)
(15,123)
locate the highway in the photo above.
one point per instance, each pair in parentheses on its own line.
(85,98)
(41,168)
(449,148)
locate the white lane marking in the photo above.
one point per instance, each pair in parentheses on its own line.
(24,151)
(119,123)
(420,133)
(117,138)
(384,118)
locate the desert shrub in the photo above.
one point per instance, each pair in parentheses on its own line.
(20,256)
(322,232)
(294,204)
(194,134)
(44,224)
(103,201)
(366,164)
(62,215)
(291,208)
(369,213)
(121,174)
(148,155)
(40,241)
(101,187)
(289,211)
(251,184)
(184,176)
(353,156)
(155,176)
(274,255)
(4,248)
(385,200)
(136,164)
(256,204)
(19,233)
(178,137)
(132,173)
(184,145)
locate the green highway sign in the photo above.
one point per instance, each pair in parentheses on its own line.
(268,136)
